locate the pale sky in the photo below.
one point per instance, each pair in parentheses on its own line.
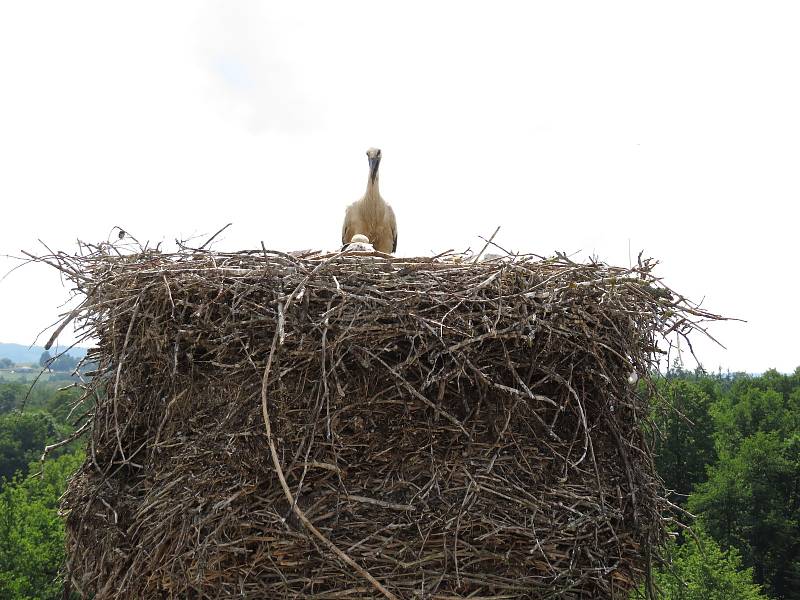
(594,128)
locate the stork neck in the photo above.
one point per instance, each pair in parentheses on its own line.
(373,193)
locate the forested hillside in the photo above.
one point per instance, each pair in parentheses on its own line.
(31,532)
(728,446)
(20,354)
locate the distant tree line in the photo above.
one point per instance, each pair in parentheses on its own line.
(62,362)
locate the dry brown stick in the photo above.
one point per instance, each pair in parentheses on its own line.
(74,436)
(119,372)
(288,493)
(419,395)
(391,505)
(489,241)
(73,275)
(209,240)
(64,323)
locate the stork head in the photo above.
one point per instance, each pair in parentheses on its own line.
(374,157)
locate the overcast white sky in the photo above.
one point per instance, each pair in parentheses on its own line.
(588,127)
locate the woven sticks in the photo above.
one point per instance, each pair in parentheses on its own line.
(356,426)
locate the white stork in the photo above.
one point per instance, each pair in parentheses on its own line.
(371,216)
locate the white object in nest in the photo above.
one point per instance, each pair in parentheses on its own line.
(360,243)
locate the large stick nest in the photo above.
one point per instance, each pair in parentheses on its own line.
(355,426)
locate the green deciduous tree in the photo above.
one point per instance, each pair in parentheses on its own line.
(44,359)
(32,533)
(705,572)
(43,396)
(751,500)
(64,363)
(686,444)
(11,394)
(61,402)
(23,436)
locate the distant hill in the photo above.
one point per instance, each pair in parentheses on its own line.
(20,353)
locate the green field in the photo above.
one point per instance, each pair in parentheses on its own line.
(7,375)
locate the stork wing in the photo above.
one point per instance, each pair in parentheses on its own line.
(346,234)
(393,225)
